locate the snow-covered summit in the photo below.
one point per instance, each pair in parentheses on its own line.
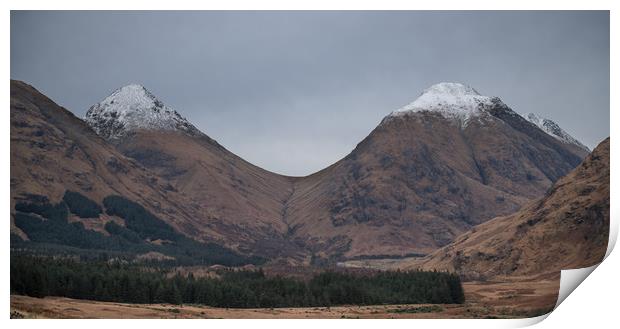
(451,100)
(133,107)
(554,130)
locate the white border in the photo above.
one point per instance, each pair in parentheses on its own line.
(593,304)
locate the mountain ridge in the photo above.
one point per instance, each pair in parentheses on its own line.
(412,185)
(346,199)
(553,129)
(449,99)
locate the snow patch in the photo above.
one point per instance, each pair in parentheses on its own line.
(553,129)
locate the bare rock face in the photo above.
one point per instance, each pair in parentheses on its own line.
(567,228)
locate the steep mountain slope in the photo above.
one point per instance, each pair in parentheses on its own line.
(247,201)
(430,171)
(450,160)
(554,130)
(567,228)
(53,151)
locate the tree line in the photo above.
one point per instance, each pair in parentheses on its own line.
(47,223)
(132,283)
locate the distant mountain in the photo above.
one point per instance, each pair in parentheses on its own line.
(554,130)
(567,228)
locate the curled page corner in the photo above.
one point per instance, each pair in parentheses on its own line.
(520,323)
(570,280)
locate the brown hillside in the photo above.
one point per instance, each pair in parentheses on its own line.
(418,181)
(414,184)
(567,228)
(53,151)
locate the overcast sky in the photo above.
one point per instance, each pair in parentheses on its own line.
(293,92)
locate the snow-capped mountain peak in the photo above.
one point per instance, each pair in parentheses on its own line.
(451,100)
(133,107)
(553,129)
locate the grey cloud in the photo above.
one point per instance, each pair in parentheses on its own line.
(295,91)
